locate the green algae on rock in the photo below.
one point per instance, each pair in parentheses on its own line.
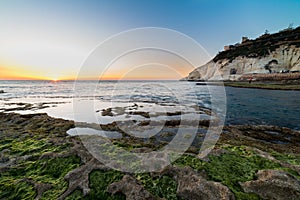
(38,160)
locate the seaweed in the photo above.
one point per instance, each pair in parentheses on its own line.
(163,187)
(293,159)
(75,195)
(48,171)
(99,181)
(238,165)
(10,189)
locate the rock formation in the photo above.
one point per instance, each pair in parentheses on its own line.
(272,184)
(270,53)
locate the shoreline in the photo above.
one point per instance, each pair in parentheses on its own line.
(264,85)
(269,85)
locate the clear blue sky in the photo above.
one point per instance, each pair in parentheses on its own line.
(56,31)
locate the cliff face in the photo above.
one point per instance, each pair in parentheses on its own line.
(267,54)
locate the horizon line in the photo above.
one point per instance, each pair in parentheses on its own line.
(88,80)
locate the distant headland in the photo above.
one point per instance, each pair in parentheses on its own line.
(268,58)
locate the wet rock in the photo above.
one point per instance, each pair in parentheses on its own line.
(141,113)
(192,185)
(204,123)
(173,123)
(173,113)
(274,184)
(144,123)
(110,127)
(279,139)
(107,112)
(79,177)
(131,188)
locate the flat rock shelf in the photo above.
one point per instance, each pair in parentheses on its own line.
(39,160)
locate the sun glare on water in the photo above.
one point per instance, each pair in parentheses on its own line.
(55,80)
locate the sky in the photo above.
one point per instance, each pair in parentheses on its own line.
(52,39)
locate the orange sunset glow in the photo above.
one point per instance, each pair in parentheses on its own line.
(140,74)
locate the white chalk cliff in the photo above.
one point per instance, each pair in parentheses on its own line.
(267,54)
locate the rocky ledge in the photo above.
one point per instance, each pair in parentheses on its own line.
(38,160)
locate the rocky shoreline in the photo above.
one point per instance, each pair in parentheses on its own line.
(260,81)
(38,160)
(288,81)
(269,85)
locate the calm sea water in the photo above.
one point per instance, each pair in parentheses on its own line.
(244,106)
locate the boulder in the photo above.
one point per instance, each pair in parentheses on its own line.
(274,184)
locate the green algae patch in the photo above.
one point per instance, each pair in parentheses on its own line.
(5,143)
(52,171)
(163,187)
(237,165)
(292,159)
(59,167)
(16,189)
(75,195)
(46,171)
(31,146)
(230,168)
(189,160)
(99,181)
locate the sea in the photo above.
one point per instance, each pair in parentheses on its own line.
(83,100)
